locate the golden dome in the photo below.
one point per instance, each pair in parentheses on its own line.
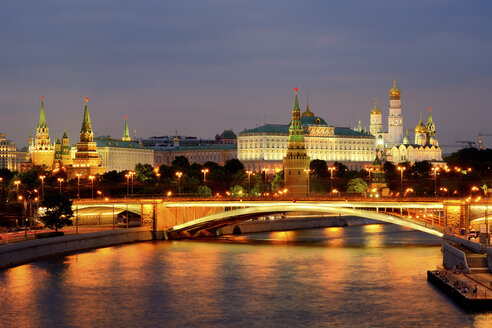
(420,128)
(375,110)
(395,91)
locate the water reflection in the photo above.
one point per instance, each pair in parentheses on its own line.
(285,279)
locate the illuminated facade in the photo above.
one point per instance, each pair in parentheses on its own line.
(42,152)
(296,161)
(266,146)
(7,154)
(196,154)
(86,159)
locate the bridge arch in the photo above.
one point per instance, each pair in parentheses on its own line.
(219,220)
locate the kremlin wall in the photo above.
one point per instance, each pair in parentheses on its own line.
(289,147)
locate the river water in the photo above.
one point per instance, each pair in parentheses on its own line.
(363,276)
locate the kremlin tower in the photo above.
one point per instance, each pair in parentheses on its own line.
(42,151)
(126,132)
(87,161)
(296,162)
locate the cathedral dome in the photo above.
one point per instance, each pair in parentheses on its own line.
(395,91)
(375,110)
(307,113)
(420,128)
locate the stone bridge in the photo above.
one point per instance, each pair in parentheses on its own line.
(186,217)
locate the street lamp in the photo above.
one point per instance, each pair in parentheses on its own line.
(60,180)
(401,169)
(331,168)
(435,169)
(308,171)
(265,170)
(78,184)
(91,177)
(249,181)
(205,171)
(127,176)
(1,182)
(17,183)
(444,190)
(42,186)
(132,173)
(179,175)
(369,169)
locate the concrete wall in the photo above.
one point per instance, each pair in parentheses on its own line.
(475,247)
(296,223)
(30,250)
(453,257)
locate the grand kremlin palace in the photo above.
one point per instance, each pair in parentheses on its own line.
(264,147)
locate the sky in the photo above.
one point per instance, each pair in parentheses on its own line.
(200,67)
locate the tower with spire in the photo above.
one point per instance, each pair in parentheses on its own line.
(42,151)
(296,161)
(87,161)
(376,125)
(395,120)
(431,128)
(126,132)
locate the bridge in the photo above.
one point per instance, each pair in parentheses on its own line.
(191,217)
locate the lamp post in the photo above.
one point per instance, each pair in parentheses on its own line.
(91,177)
(265,170)
(127,176)
(435,169)
(60,180)
(401,169)
(179,175)
(42,186)
(78,184)
(308,171)
(1,182)
(249,181)
(132,173)
(205,171)
(370,169)
(17,183)
(331,168)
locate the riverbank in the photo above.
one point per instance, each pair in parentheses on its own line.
(30,250)
(294,223)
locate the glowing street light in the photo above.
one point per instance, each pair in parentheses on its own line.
(78,184)
(248,172)
(401,169)
(205,171)
(179,175)
(331,169)
(60,180)
(42,177)
(127,176)
(17,183)
(308,171)
(435,169)
(91,177)
(369,170)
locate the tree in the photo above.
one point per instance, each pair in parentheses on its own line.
(356,185)
(318,168)
(278,181)
(144,172)
(58,211)
(237,191)
(234,165)
(204,191)
(181,162)
(340,169)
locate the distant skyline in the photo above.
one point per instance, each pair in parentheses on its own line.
(200,67)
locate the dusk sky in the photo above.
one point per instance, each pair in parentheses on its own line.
(200,67)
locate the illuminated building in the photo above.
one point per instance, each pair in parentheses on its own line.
(266,146)
(86,159)
(196,154)
(7,154)
(296,161)
(41,150)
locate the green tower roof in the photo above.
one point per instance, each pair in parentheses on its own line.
(126,132)
(64,134)
(42,115)
(296,102)
(86,123)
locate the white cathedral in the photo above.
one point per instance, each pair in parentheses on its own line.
(393,144)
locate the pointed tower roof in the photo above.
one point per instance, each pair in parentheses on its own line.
(126,131)
(58,141)
(86,123)
(42,115)
(376,160)
(64,134)
(296,131)
(296,101)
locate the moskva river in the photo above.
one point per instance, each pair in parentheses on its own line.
(364,276)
